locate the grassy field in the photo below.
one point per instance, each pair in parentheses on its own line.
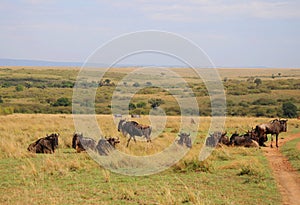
(231,175)
(292,152)
(39,89)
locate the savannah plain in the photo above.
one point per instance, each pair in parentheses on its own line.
(30,108)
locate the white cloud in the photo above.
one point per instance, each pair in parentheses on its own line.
(193,10)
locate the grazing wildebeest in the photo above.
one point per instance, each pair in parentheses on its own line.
(135,116)
(134,129)
(106,145)
(81,143)
(217,138)
(118,115)
(274,127)
(45,145)
(184,138)
(243,140)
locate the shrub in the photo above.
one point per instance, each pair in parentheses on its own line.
(141,105)
(62,102)
(131,106)
(136,84)
(264,101)
(19,88)
(155,102)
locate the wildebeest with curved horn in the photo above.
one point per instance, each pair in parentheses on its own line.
(45,145)
(134,129)
(184,138)
(274,127)
(217,138)
(81,143)
(106,145)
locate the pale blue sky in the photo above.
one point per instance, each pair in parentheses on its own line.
(232,32)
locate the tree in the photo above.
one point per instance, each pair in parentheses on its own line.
(155,102)
(289,109)
(257,81)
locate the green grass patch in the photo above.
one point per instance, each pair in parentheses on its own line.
(292,152)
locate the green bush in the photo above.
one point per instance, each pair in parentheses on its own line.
(264,101)
(19,88)
(62,102)
(289,110)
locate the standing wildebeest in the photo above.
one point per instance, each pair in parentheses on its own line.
(45,145)
(81,143)
(184,138)
(104,146)
(217,138)
(274,127)
(134,129)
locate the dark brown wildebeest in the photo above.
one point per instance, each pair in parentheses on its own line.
(274,127)
(45,145)
(106,145)
(81,143)
(243,140)
(134,129)
(184,139)
(217,138)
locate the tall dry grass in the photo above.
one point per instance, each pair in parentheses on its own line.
(19,130)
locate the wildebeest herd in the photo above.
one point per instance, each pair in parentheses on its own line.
(253,138)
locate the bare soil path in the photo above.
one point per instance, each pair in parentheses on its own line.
(287,178)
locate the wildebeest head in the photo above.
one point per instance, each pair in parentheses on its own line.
(120,125)
(113,141)
(54,139)
(184,138)
(283,125)
(75,139)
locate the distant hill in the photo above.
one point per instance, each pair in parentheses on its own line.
(22,62)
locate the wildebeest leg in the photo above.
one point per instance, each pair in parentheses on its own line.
(272,140)
(277,140)
(128,141)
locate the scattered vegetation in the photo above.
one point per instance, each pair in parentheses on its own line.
(30,90)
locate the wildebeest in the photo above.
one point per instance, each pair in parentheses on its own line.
(106,145)
(134,129)
(118,115)
(274,127)
(217,138)
(243,140)
(45,145)
(81,143)
(135,116)
(184,139)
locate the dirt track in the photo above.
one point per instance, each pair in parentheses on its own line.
(288,180)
